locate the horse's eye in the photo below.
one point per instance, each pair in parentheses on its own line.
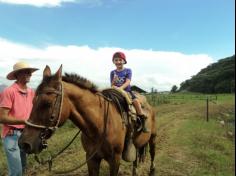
(52,118)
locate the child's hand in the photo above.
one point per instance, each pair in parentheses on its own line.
(116,78)
(115,87)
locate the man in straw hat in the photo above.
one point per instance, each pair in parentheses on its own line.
(15,107)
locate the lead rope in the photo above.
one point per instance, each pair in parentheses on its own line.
(106,111)
(52,157)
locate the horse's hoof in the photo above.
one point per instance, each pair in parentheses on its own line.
(134,173)
(152,172)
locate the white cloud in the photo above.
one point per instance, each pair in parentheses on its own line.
(158,69)
(48,3)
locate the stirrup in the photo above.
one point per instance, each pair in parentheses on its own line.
(144,123)
(142,116)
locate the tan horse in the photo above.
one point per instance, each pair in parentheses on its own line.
(59,98)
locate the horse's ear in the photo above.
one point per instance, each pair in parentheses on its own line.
(47,71)
(59,73)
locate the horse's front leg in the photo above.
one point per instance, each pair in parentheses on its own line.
(114,164)
(93,165)
(152,146)
(135,165)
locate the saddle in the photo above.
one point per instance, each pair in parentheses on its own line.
(131,110)
(123,102)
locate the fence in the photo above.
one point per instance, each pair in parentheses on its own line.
(157,99)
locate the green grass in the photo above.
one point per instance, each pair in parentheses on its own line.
(191,146)
(208,147)
(187,145)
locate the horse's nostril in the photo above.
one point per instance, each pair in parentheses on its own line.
(26,147)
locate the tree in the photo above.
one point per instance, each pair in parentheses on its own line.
(174,89)
(215,78)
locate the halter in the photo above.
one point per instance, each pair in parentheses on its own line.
(57,108)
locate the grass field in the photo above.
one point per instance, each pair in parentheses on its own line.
(187,145)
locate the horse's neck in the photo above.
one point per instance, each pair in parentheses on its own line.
(87,111)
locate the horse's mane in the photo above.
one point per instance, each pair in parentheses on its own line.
(80,81)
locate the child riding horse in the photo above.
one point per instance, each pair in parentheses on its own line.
(59,98)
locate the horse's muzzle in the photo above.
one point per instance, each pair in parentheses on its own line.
(31,146)
(26,147)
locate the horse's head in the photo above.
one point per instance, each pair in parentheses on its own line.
(46,114)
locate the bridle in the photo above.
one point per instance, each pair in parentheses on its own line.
(57,108)
(56,113)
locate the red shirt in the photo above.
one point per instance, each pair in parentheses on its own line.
(18,102)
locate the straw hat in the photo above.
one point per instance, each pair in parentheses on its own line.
(19,66)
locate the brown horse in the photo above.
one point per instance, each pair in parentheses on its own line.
(59,98)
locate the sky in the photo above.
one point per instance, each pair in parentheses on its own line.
(165,41)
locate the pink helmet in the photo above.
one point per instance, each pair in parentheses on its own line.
(119,55)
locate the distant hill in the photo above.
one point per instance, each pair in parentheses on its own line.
(218,77)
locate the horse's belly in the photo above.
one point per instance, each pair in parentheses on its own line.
(142,140)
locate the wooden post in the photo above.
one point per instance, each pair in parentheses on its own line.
(207,109)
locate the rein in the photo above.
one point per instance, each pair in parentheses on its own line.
(58,104)
(106,111)
(52,157)
(56,112)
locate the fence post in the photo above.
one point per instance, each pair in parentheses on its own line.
(207,109)
(153,99)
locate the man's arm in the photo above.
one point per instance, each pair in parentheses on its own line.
(6,119)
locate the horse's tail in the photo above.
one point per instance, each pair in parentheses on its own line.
(142,153)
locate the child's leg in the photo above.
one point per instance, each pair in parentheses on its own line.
(140,113)
(137,106)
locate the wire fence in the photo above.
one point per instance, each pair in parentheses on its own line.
(157,99)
